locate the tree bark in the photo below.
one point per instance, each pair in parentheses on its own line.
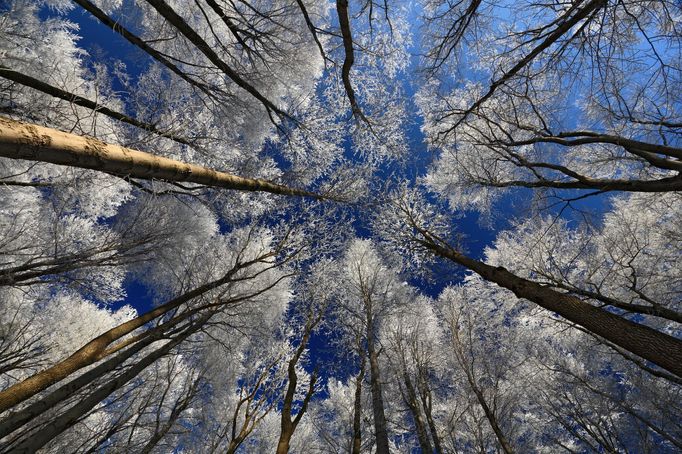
(413,405)
(380,427)
(668,184)
(20,140)
(467,367)
(183,27)
(564,26)
(661,349)
(425,397)
(72,415)
(357,405)
(287,424)
(15,420)
(94,350)
(349,60)
(138,42)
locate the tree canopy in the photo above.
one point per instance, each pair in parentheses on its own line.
(349,226)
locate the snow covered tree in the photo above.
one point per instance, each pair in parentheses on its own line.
(345,226)
(579,97)
(408,219)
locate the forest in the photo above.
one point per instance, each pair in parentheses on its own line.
(341,226)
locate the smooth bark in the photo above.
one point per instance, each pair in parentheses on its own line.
(19,140)
(97,348)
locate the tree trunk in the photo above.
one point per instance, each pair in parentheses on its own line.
(349,60)
(17,419)
(413,405)
(668,184)
(64,421)
(380,428)
(489,414)
(357,405)
(20,140)
(288,426)
(425,397)
(661,349)
(97,348)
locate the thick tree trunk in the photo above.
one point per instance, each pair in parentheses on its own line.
(17,419)
(349,60)
(357,405)
(284,440)
(661,349)
(20,140)
(668,184)
(287,424)
(380,427)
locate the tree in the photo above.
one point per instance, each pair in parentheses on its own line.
(316,293)
(412,337)
(207,299)
(216,230)
(372,292)
(524,127)
(405,221)
(23,141)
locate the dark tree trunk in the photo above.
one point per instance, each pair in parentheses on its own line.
(661,349)
(425,397)
(67,419)
(287,423)
(410,397)
(357,405)
(380,426)
(43,87)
